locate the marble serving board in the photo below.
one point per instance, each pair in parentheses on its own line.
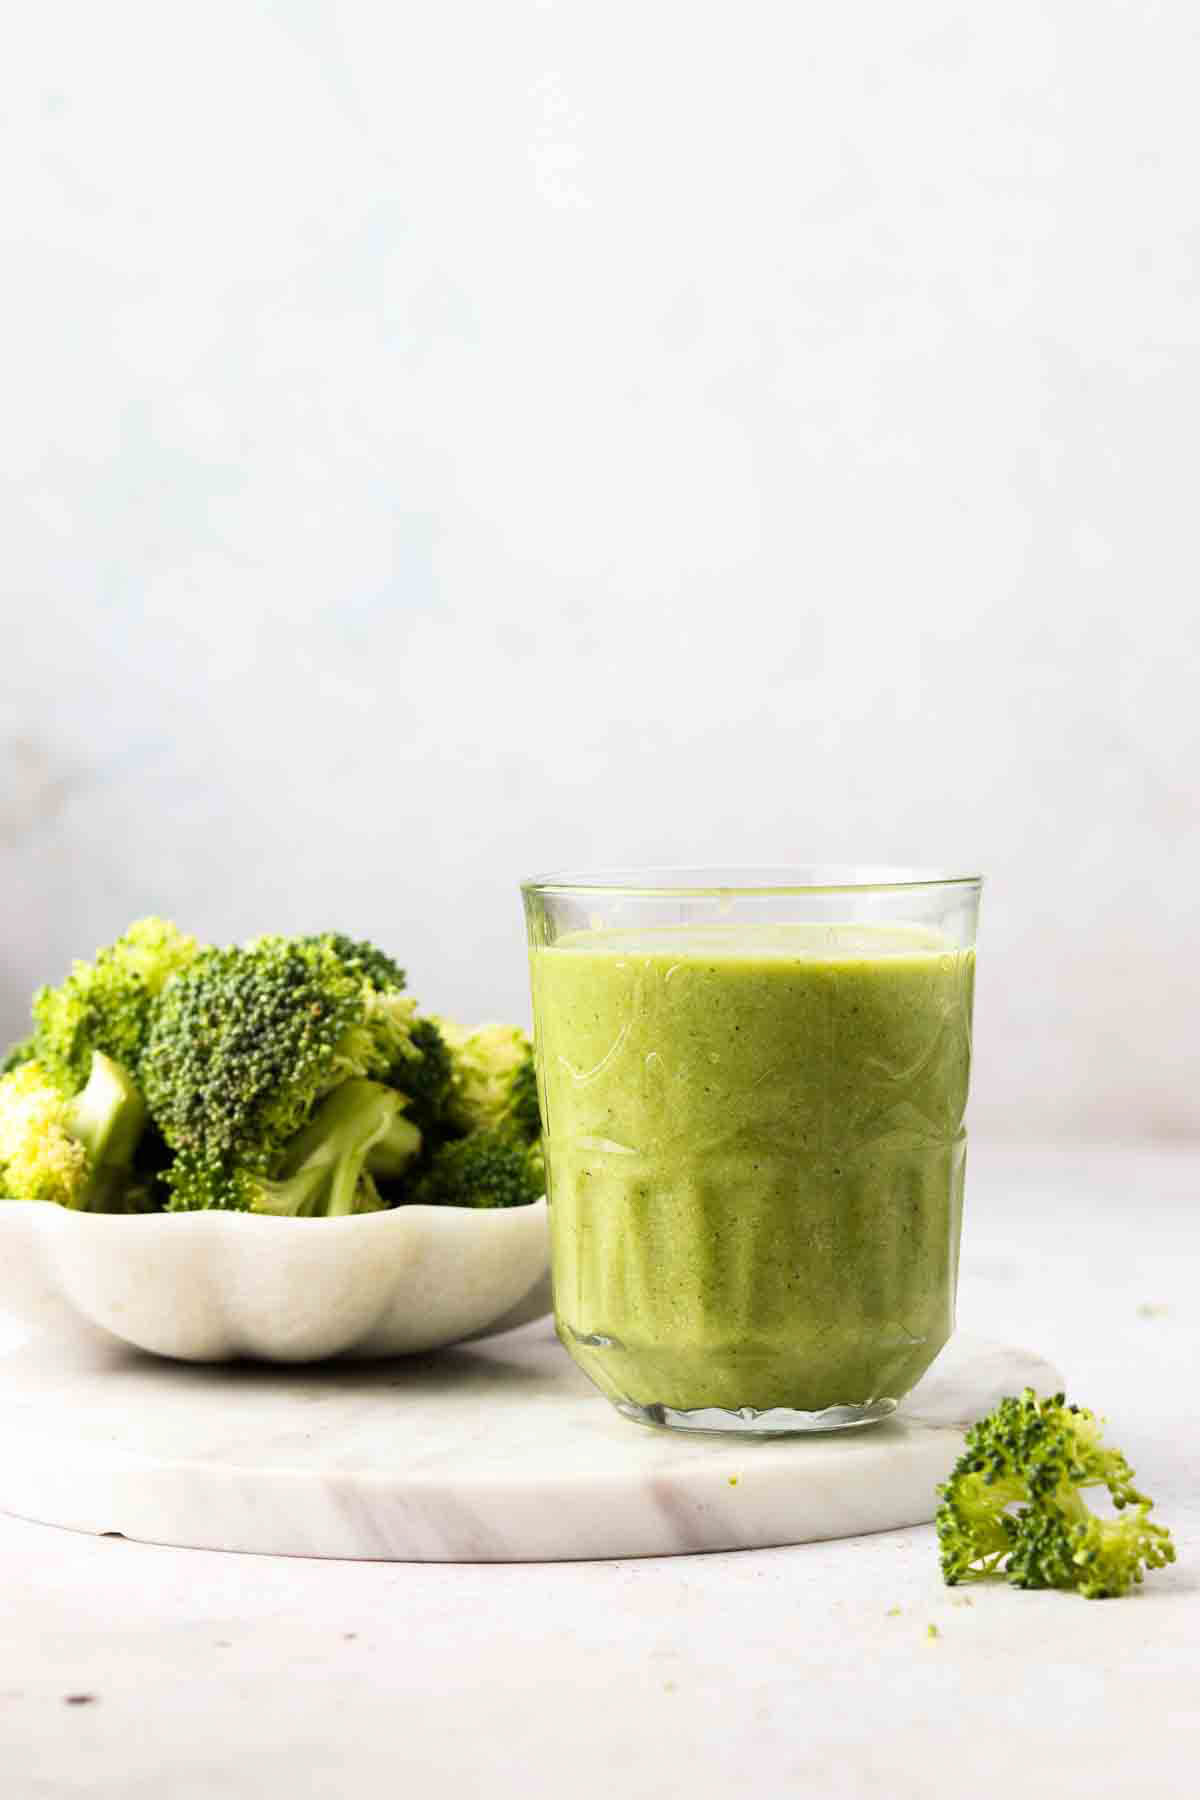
(491,1452)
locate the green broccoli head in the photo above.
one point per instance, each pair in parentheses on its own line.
(357,957)
(493,1086)
(77,1152)
(523,1114)
(194,1185)
(326,1171)
(105,1005)
(1013,1504)
(474,1096)
(245,1044)
(487,1169)
(426,1079)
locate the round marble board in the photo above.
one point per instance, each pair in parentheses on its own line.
(491,1452)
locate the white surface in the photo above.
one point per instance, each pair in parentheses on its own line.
(444,441)
(207,1287)
(771,1672)
(492,1453)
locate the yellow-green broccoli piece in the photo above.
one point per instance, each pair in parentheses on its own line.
(105,1004)
(25,1050)
(77,1152)
(1013,1504)
(492,1082)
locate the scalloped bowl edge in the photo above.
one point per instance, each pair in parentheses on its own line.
(209,1287)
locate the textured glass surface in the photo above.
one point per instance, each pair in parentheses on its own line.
(755,1143)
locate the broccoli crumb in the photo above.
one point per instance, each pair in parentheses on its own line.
(931,1631)
(893,1612)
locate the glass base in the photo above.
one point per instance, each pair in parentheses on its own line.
(750,1421)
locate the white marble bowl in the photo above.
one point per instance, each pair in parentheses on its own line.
(215,1287)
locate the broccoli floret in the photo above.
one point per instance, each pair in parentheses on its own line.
(245,1044)
(25,1050)
(40,1158)
(488,1169)
(360,958)
(1037,1456)
(492,1079)
(323,1172)
(77,1152)
(427,1082)
(105,1005)
(474,1094)
(523,1114)
(194,1185)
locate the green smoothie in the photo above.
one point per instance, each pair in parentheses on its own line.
(756,1153)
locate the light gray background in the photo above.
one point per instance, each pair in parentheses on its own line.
(441,442)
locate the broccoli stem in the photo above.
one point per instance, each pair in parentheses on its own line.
(108,1117)
(325,1170)
(391,1155)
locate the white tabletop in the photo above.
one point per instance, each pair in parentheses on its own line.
(780,1671)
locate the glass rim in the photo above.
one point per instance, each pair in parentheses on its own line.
(804,878)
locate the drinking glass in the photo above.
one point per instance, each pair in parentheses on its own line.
(753,1084)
